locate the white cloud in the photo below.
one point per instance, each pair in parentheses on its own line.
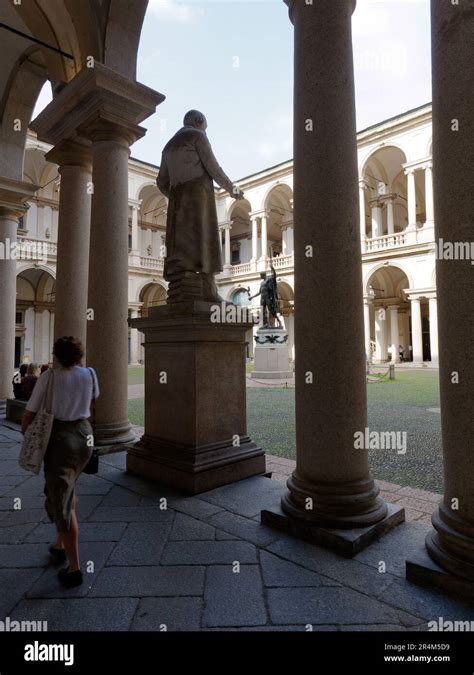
(173,10)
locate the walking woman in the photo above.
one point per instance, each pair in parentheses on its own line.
(69,449)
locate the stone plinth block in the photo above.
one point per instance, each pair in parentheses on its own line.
(424,571)
(195,401)
(271,355)
(347,542)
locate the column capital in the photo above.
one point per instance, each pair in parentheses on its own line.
(100,104)
(71,153)
(135,203)
(13,196)
(259,214)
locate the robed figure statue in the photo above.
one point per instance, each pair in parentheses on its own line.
(193,250)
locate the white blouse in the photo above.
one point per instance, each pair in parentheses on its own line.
(71,396)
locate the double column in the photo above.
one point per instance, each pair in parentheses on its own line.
(13,197)
(331,485)
(72,267)
(227,226)
(451,543)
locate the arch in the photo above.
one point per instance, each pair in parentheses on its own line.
(142,186)
(382,266)
(44,268)
(122,35)
(144,285)
(240,205)
(382,146)
(287,190)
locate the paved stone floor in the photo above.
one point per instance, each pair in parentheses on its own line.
(155,559)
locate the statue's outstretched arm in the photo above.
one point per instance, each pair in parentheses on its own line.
(211,164)
(163,179)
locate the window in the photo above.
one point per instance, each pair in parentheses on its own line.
(235,259)
(19,318)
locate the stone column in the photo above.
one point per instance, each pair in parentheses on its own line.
(107,333)
(381,353)
(331,485)
(411,196)
(451,543)
(434,331)
(72,266)
(135,209)
(264,222)
(221,229)
(376,220)
(254,220)
(416,331)
(134,341)
(367,302)
(394,334)
(13,197)
(429,194)
(227,256)
(390,219)
(363,233)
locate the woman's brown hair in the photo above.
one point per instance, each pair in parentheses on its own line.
(68,351)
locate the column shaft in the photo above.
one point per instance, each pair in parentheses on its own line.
(264,237)
(107,334)
(411,189)
(368,353)
(227,245)
(72,267)
(417,331)
(8,230)
(429,194)
(134,341)
(434,330)
(394,335)
(362,189)
(254,238)
(390,219)
(331,399)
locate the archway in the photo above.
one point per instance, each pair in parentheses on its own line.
(34,330)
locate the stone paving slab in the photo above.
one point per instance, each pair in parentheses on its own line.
(186,528)
(171,614)
(45,533)
(14,584)
(328,604)
(84,614)
(234,598)
(47,585)
(149,581)
(245,528)
(208,553)
(141,544)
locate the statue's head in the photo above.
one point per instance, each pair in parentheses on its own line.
(194,118)
(263,275)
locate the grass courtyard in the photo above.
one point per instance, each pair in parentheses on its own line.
(409,403)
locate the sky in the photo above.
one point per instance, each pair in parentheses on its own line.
(233,60)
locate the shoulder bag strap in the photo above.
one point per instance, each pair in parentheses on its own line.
(48,402)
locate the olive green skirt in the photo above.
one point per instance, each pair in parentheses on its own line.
(68,452)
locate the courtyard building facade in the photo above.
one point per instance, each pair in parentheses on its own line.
(396,236)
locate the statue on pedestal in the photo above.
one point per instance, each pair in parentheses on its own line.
(193,250)
(268,298)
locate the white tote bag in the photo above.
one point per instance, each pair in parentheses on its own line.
(36,438)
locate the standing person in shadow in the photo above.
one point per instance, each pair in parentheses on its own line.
(70,446)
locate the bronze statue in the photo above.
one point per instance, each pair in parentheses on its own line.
(268,297)
(193,250)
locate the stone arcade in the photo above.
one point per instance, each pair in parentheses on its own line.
(88,128)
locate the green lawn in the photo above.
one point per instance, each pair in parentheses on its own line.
(136,375)
(399,405)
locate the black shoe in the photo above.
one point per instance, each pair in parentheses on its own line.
(58,554)
(70,579)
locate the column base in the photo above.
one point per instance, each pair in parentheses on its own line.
(346,542)
(111,435)
(424,571)
(195,470)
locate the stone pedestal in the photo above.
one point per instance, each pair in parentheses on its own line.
(195,401)
(271,355)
